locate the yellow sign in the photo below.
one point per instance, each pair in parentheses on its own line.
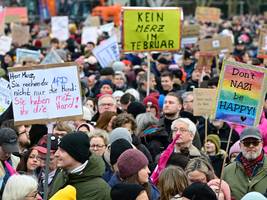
(151,29)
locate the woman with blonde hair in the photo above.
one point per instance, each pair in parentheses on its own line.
(199,170)
(172,182)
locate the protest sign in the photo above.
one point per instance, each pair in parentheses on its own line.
(89,34)
(20,34)
(240,94)
(52,58)
(5,95)
(151,29)
(107,28)
(5,44)
(218,44)
(25,54)
(107,52)
(262,50)
(2,22)
(60,27)
(45,93)
(94,21)
(204,62)
(16,14)
(208,14)
(190,34)
(45,42)
(204,99)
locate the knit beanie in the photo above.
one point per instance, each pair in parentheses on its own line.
(120,133)
(235,148)
(153,101)
(126,190)
(215,140)
(66,193)
(253,196)
(76,144)
(117,148)
(136,108)
(130,162)
(199,191)
(224,187)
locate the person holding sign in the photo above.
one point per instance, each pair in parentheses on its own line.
(248,172)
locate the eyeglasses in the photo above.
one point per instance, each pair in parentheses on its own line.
(181,130)
(249,142)
(106,104)
(35,157)
(97,146)
(34,194)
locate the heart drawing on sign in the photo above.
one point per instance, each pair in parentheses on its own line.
(243,118)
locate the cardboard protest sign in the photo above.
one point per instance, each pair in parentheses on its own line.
(52,58)
(16,14)
(45,93)
(218,44)
(240,94)
(89,34)
(151,29)
(190,34)
(107,52)
(204,62)
(60,27)
(45,42)
(2,21)
(204,99)
(25,54)
(208,14)
(262,50)
(5,44)
(5,95)
(20,34)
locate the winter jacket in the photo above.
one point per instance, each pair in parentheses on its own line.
(240,184)
(88,183)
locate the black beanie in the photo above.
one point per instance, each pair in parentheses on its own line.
(136,108)
(126,190)
(199,191)
(76,144)
(117,148)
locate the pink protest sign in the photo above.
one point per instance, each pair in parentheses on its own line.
(45,93)
(240,95)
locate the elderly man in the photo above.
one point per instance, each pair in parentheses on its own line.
(249,171)
(187,129)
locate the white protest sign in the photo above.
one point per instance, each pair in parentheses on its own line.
(107,52)
(5,44)
(25,54)
(60,27)
(45,93)
(107,28)
(52,58)
(189,41)
(89,34)
(5,95)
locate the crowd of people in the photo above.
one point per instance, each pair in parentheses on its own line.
(133,145)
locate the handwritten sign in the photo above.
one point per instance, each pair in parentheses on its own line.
(5,95)
(219,44)
(107,52)
(20,34)
(5,44)
(107,28)
(52,58)
(151,29)
(16,14)
(89,34)
(60,27)
(25,54)
(204,62)
(208,14)
(45,93)
(240,93)
(204,100)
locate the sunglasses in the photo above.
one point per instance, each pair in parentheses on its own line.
(251,142)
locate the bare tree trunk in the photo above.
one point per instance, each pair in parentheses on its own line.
(204,2)
(254,6)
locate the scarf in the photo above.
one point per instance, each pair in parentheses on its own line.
(249,166)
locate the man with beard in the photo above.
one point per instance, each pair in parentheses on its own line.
(171,110)
(249,171)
